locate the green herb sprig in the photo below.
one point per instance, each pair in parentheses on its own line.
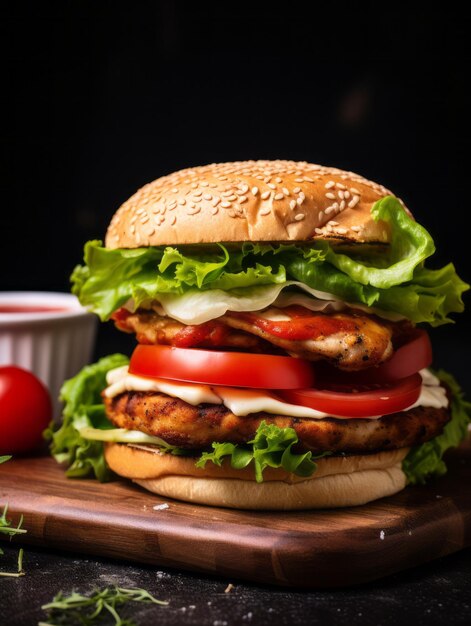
(7,529)
(87,610)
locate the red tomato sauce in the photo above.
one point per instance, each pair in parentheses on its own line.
(33,308)
(209,334)
(303,325)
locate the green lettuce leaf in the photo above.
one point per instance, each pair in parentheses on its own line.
(427,460)
(83,407)
(393,279)
(270,447)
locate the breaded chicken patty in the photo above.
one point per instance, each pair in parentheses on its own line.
(187,426)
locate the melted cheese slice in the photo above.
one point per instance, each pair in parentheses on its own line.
(242,402)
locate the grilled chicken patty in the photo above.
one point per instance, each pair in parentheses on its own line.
(350,340)
(187,426)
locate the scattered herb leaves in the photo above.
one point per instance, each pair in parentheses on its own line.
(87,610)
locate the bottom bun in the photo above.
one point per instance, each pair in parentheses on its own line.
(338,481)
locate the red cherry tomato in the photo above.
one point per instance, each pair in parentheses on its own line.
(25,410)
(214,367)
(358,400)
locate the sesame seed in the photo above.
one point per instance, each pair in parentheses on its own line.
(204,183)
(216,201)
(296,189)
(333,223)
(341,231)
(293,204)
(272,185)
(353,202)
(140,211)
(225,204)
(300,201)
(132,229)
(309,180)
(355,191)
(242,199)
(197,193)
(278,180)
(341,194)
(330,184)
(175,190)
(329,209)
(172,204)
(340,186)
(318,231)
(321,215)
(194,211)
(265,212)
(150,231)
(214,210)
(254,191)
(356,228)
(279,196)
(226,194)
(265,195)
(144,219)
(134,217)
(244,188)
(173,220)
(342,205)
(346,194)
(330,195)
(298,180)
(197,199)
(182,201)
(207,196)
(232,198)
(299,217)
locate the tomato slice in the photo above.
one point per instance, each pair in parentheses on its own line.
(214,367)
(360,400)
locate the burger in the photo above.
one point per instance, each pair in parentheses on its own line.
(282,360)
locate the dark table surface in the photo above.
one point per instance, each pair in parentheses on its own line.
(436,593)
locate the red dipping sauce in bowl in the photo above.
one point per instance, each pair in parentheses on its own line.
(48,333)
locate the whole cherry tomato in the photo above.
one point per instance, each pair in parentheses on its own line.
(25,410)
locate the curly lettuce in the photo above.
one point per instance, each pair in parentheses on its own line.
(427,459)
(394,279)
(270,447)
(84,408)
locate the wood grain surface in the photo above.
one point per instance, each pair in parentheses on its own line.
(326,548)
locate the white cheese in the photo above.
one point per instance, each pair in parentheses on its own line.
(120,381)
(245,401)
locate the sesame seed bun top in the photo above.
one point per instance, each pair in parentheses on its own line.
(250,201)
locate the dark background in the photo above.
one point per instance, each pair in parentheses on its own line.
(105,96)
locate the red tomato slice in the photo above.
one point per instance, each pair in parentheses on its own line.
(214,367)
(359,401)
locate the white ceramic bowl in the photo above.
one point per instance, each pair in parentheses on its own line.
(50,334)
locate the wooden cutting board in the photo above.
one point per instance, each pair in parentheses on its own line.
(305,549)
